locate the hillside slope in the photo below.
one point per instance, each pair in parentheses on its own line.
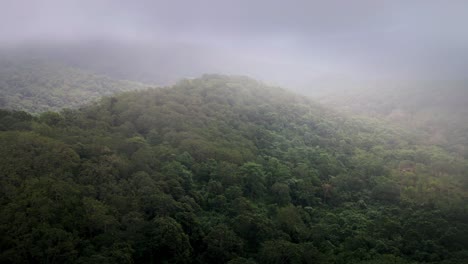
(35,86)
(437,110)
(224,169)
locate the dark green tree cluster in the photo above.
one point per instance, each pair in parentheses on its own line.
(224,170)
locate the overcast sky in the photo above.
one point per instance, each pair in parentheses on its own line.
(281,40)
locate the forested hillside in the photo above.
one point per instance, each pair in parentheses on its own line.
(224,170)
(36,85)
(437,110)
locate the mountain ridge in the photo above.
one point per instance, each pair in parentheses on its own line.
(37,85)
(176,172)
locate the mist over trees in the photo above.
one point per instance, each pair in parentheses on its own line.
(35,84)
(239,132)
(437,110)
(224,169)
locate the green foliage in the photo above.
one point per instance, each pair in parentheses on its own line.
(36,86)
(436,110)
(224,170)
(167,242)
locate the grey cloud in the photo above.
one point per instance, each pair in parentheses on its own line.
(282,41)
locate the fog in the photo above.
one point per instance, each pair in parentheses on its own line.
(289,43)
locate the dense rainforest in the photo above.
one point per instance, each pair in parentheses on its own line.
(224,170)
(437,110)
(35,84)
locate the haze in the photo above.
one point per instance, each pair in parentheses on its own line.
(291,43)
(234,131)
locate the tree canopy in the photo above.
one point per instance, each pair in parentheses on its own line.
(224,170)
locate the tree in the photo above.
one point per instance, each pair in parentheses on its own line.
(280,193)
(254,180)
(222,244)
(167,242)
(280,252)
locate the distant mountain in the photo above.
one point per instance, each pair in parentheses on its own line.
(437,110)
(224,170)
(38,84)
(161,64)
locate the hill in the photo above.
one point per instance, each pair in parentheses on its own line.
(224,170)
(436,110)
(38,85)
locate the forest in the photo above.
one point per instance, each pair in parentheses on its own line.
(435,109)
(35,84)
(222,169)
